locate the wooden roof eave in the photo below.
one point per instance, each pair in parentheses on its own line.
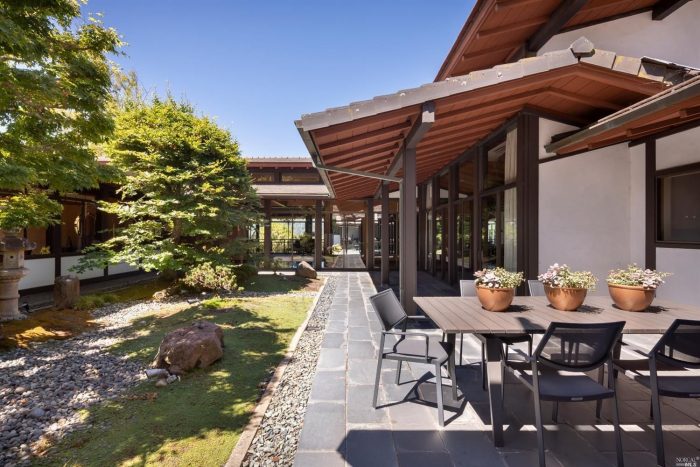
(654,104)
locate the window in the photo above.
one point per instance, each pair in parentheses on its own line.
(78,221)
(678,210)
(444,184)
(500,165)
(262,177)
(301,177)
(466,179)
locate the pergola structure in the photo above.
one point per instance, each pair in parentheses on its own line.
(366,148)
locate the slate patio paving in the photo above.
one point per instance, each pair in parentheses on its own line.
(341,427)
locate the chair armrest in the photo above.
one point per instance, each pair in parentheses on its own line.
(411,334)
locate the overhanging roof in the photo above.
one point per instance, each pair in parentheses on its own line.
(666,110)
(292,191)
(278,162)
(578,84)
(501,31)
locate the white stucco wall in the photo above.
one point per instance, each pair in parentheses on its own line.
(120,268)
(675,39)
(584,207)
(684,285)
(69,261)
(41,273)
(548,128)
(637,208)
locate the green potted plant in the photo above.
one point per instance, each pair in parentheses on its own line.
(633,288)
(566,289)
(495,288)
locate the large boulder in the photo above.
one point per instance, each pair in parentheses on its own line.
(305,270)
(66,291)
(196,346)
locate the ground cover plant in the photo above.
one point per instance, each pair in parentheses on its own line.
(197,420)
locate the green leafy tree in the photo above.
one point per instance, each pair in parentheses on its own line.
(185,190)
(54,92)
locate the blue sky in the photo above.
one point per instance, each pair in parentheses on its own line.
(256,66)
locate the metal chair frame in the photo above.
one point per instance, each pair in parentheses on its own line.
(537,363)
(388,330)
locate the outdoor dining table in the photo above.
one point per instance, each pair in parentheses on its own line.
(532,315)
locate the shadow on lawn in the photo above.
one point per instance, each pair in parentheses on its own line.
(196,418)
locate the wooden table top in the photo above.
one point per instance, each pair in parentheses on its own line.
(534,314)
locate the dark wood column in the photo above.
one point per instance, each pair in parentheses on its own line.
(528,183)
(408,225)
(650,204)
(385,234)
(267,223)
(422,229)
(452,226)
(369,233)
(327,230)
(318,235)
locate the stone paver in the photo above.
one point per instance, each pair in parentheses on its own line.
(342,428)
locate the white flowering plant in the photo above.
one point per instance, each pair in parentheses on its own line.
(561,276)
(498,278)
(635,276)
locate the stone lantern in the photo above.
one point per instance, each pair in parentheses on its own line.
(12,270)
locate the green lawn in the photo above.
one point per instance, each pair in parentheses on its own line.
(197,420)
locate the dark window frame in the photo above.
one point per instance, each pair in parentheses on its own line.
(685,169)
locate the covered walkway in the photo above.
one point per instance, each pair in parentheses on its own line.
(341,427)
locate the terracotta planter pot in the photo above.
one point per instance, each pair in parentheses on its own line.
(631,298)
(565,298)
(495,299)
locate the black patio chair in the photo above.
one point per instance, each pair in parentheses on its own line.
(536,288)
(556,371)
(409,347)
(665,371)
(468,289)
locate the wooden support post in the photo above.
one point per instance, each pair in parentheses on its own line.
(452,226)
(318,236)
(528,168)
(267,231)
(369,234)
(650,202)
(385,235)
(422,229)
(409,260)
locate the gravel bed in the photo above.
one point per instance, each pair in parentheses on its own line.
(277,438)
(42,389)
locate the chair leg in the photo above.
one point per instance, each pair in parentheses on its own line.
(599,402)
(618,435)
(658,428)
(398,372)
(529,347)
(461,347)
(376,381)
(540,430)
(484,376)
(453,376)
(503,383)
(555,412)
(438,389)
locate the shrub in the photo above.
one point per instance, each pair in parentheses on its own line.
(90,302)
(562,276)
(637,277)
(498,278)
(245,272)
(208,277)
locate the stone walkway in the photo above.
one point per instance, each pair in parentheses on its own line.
(341,427)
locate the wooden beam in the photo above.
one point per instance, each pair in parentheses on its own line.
(392,141)
(399,127)
(665,7)
(363,156)
(502,5)
(555,22)
(420,127)
(586,100)
(359,173)
(510,28)
(490,51)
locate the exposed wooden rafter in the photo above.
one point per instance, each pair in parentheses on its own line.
(665,7)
